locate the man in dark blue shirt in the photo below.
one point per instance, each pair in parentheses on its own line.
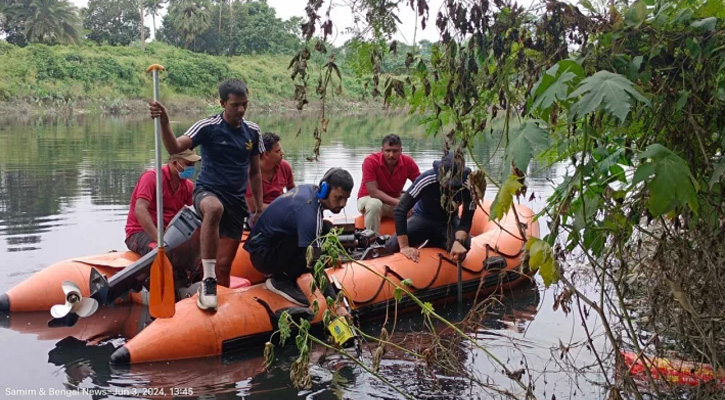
(230,148)
(430,221)
(279,240)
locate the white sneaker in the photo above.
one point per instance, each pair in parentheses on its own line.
(206,295)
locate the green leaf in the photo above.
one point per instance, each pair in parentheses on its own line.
(684,16)
(668,180)
(301,341)
(684,95)
(610,160)
(556,83)
(520,149)
(398,294)
(427,308)
(717,174)
(594,240)
(505,197)
(712,8)
(541,258)
(406,282)
(284,329)
(607,91)
(636,14)
(707,24)
(305,325)
(693,46)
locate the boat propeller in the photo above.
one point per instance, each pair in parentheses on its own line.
(74,303)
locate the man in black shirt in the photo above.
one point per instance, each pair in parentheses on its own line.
(430,221)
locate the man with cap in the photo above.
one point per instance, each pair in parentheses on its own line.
(141,231)
(430,221)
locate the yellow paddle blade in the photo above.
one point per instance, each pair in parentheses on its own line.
(162,302)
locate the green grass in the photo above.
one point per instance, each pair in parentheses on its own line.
(103,77)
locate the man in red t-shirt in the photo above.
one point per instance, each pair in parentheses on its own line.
(141,232)
(276,172)
(384,175)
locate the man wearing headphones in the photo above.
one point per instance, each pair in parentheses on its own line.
(279,240)
(430,221)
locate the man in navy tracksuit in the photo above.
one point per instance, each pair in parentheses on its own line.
(430,221)
(279,240)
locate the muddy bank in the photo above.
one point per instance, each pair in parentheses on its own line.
(30,110)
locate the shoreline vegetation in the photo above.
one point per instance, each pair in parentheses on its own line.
(100,79)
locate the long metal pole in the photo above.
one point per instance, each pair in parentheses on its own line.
(159,189)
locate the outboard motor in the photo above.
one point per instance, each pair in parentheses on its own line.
(358,240)
(106,291)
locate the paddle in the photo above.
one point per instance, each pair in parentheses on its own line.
(161,296)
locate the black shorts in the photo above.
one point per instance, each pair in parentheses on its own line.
(235,211)
(438,233)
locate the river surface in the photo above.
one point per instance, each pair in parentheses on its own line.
(65,186)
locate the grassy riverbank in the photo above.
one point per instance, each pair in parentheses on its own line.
(89,78)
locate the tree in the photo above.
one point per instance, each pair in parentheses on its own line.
(115,22)
(260,31)
(153,8)
(41,21)
(242,28)
(189,18)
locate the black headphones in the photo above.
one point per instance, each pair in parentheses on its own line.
(324,190)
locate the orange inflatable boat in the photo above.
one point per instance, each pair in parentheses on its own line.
(247,316)
(247,311)
(43,289)
(672,370)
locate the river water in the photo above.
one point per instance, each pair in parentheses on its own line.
(64,192)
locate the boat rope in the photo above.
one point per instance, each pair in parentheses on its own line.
(495,250)
(390,272)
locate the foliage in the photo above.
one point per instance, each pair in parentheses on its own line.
(189,18)
(236,28)
(668,178)
(115,22)
(40,21)
(541,259)
(505,197)
(629,98)
(153,8)
(605,91)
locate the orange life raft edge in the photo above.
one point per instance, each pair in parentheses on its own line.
(248,316)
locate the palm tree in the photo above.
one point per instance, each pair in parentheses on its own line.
(190,18)
(47,21)
(153,8)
